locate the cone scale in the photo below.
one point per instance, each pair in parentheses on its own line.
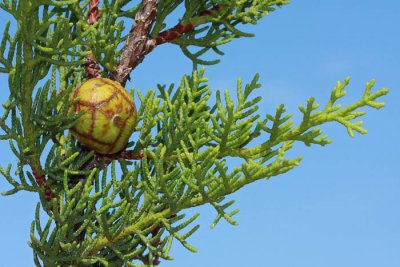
(110,116)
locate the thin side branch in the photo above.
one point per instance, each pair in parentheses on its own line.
(179,29)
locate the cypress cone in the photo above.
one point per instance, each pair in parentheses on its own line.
(110,116)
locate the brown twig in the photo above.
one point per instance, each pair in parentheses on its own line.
(92,68)
(100,161)
(41,181)
(94,13)
(179,29)
(138,42)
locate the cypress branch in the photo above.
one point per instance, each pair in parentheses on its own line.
(130,212)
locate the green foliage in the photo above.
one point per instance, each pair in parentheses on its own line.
(131,213)
(188,167)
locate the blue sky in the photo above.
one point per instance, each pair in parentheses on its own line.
(340,207)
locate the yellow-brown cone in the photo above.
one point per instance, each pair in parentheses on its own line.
(110,116)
